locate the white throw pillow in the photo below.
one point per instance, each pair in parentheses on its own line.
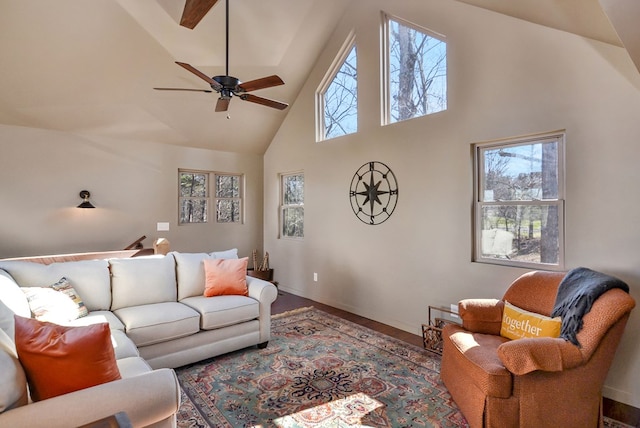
(227,254)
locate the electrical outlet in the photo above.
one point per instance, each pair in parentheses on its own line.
(315,277)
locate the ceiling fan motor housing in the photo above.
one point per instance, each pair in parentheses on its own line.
(227,82)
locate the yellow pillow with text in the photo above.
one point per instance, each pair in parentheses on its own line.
(518,323)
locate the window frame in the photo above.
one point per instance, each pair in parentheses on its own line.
(239,198)
(336,65)
(206,199)
(558,202)
(284,206)
(385,66)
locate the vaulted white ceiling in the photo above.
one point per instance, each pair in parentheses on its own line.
(89,67)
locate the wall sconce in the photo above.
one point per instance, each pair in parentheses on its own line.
(85,195)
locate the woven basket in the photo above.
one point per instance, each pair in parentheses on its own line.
(266,275)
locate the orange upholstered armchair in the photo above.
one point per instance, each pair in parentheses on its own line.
(532,382)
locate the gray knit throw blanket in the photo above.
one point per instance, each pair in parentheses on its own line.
(576,293)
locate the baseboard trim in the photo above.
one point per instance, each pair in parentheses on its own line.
(621,412)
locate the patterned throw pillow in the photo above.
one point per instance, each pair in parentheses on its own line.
(518,323)
(58,303)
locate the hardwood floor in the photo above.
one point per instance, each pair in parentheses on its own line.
(287,302)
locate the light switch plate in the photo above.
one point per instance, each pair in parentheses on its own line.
(163,226)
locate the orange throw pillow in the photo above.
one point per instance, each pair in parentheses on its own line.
(226,277)
(58,359)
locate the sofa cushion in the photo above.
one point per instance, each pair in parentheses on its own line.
(226,277)
(133,366)
(97,317)
(13,392)
(59,359)
(190,273)
(223,310)
(140,281)
(58,303)
(123,346)
(90,278)
(477,357)
(190,270)
(158,322)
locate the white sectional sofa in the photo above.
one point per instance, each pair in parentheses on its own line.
(159,319)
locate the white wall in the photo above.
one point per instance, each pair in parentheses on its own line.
(133,185)
(506,78)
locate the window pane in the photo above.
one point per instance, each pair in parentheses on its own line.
(525,233)
(417,73)
(293,222)
(193,211)
(341,100)
(293,191)
(526,172)
(193,184)
(227,186)
(228,211)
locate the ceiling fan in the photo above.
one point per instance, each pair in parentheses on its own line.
(194,11)
(228,86)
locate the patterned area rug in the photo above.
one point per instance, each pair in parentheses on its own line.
(318,371)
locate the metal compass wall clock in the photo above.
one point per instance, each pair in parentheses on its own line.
(373,193)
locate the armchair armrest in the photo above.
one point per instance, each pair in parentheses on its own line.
(147,399)
(548,354)
(481,315)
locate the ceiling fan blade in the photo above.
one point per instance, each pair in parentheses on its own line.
(265,82)
(194,11)
(183,89)
(199,73)
(223,104)
(263,101)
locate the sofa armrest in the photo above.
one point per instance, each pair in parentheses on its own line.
(261,290)
(147,399)
(265,293)
(481,315)
(548,354)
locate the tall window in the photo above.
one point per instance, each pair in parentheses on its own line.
(228,198)
(415,69)
(519,201)
(193,196)
(292,205)
(337,98)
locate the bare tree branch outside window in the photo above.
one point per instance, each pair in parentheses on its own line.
(228,198)
(417,73)
(292,206)
(341,100)
(194,197)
